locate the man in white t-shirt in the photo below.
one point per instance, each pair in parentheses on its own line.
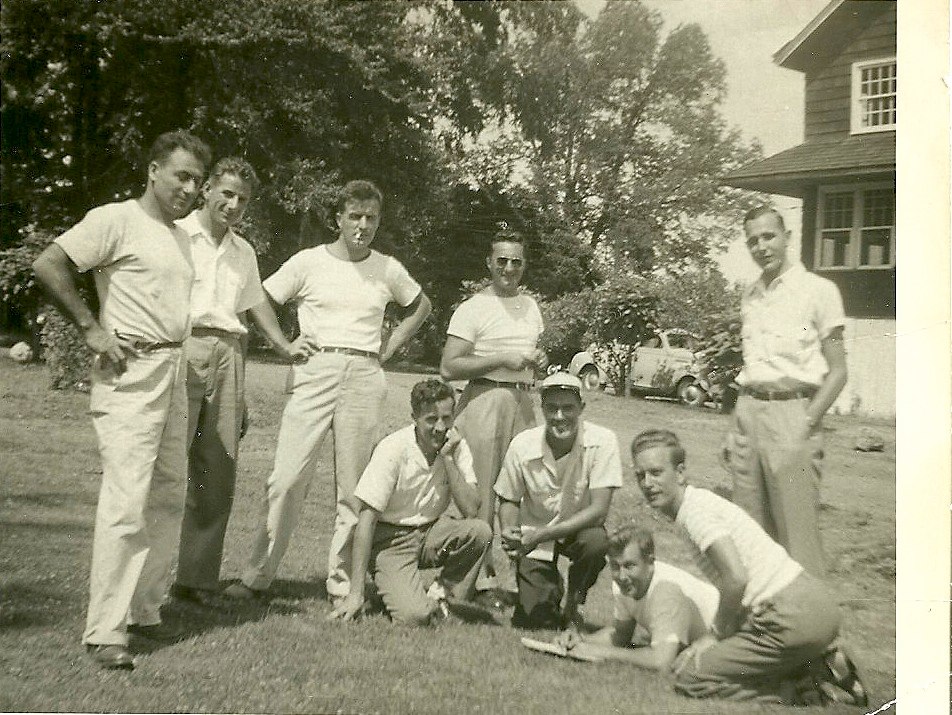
(555,488)
(412,475)
(143,271)
(794,369)
(226,285)
(341,290)
(492,341)
(772,638)
(670,608)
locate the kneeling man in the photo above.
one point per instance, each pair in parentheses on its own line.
(775,626)
(555,488)
(660,607)
(403,492)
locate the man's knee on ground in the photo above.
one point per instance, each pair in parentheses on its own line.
(415,615)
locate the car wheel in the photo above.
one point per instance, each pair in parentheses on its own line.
(690,393)
(589,377)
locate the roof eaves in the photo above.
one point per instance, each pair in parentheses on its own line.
(782,55)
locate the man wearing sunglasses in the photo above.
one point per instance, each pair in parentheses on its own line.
(492,342)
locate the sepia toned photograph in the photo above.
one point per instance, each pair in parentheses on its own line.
(434,356)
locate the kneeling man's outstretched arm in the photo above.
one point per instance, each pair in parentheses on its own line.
(363,539)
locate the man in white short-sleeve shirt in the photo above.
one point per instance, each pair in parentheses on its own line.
(143,274)
(555,489)
(794,369)
(403,493)
(341,291)
(492,341)
(772,638)
(668,607)
(226,286)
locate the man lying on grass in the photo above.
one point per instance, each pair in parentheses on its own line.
(403,492)
(773,636)
(669,607)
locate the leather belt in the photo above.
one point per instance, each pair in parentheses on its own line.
(147,346)
(525,386)
(346,351)
(769,395)
(203,332)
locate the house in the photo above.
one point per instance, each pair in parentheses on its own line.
(845,174)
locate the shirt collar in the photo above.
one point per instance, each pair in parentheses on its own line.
(193,227)
(538,449)
(794,271)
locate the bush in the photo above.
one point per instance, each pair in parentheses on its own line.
(568,322)
(68,359)
(20,295)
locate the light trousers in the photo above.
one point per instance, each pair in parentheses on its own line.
(215,384)
(777,477)
(330,391)
(399,552)
(774,647)
(140,419)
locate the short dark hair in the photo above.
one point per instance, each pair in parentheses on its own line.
(763,210)
(659,438)
(168,142)
(507,235)
(429,392)
(358,190)
(626,534)
(236,166)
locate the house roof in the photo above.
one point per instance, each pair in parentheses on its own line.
(827,31)
(791,171)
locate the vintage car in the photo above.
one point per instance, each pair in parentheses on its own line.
(664,364)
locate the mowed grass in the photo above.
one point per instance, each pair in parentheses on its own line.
(284,657)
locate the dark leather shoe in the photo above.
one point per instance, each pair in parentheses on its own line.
(158,633)
(111,657)
(199,596)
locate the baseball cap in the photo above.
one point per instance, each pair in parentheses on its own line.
(561,381)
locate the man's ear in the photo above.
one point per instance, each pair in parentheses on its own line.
(680,469)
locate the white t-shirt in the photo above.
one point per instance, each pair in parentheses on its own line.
(499,325)
(341,303)
(548,491)
(400,484)
(226,278)
(677,608)
(706,517)
(143,270)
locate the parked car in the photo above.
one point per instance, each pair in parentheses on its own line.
(663,364)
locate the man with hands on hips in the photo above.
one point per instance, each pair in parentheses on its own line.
(403,493)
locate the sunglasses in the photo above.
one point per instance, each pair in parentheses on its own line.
(502,261)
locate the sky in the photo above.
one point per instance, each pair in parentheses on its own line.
(763,100)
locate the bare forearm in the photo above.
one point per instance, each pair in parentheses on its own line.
(467,367)
(647,657)
(508,514)
(267,321)
(464,495)
(406,328)
(830,389)
(587,518)
(363,539)
(52,269)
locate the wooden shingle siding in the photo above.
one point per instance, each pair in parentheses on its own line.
(827,97)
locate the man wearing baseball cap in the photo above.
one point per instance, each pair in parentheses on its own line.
(555,488)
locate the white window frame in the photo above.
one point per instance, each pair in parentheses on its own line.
(854,248)
(857,101)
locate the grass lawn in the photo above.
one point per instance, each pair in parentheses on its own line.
(283,657)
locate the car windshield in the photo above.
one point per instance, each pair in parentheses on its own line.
(683,340)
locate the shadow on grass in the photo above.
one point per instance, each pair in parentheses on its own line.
(30,605)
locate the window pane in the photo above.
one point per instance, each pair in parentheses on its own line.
(833,248)
(875,246)
(838,210)
(879,207)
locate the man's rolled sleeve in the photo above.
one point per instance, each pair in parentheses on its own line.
(606,465)
(403,287)
(510,485)
(670,615)
(91,242)
(463,323)
(464,463)
(252,294)
(829,310)
(379,479)
(286,282)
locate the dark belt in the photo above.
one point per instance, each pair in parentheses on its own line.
(202,332)
(346,351)
(768,395)
(526,386)
(147,346)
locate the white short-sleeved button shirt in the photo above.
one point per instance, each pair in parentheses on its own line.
(400,484)
(142,268)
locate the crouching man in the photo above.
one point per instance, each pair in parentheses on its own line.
(772,638)
(403,492)
(555,488)
(659,609)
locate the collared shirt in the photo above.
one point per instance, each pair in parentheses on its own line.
(706,517)
(495,325)
(341,303)
(783,325)
(143,270)
(549,491)
(678,607)
(400,484)
(226,278)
